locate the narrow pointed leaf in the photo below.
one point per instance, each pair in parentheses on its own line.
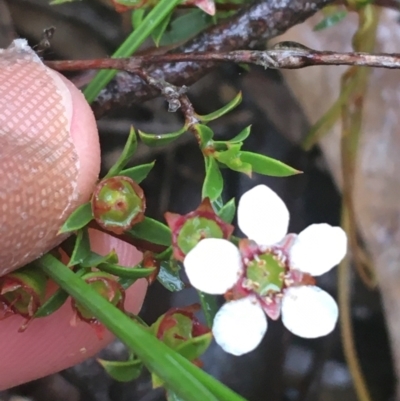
(154,140)
(55,302)
(169,276)
(232,159)
(185,26)
(223,110)
(267,166)
(227,212)
(195,347)
(209,306)
(125,272)
(94,259)
(137,17)
(138,173)
(81,249)
(213,182)
(331,20)
(78,219)
(158,33)
(127,153)
(242,136)
(122,371)
(153,231)
(205,134)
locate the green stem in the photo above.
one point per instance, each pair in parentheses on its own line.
(349,348)
(179,375)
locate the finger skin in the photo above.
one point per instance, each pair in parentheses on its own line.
(49,155)
(49,164)
(51,344)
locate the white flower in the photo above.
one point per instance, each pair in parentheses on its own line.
(215,275)
(215,265)
(240,325)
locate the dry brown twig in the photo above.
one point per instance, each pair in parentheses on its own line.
(289,55)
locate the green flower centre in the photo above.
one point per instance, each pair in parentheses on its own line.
(265,274)
(196,229)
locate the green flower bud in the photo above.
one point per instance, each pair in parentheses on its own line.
(118,203)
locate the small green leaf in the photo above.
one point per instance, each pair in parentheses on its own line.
(217,204)
(138,173)
(160,30)
(331,20)
(78,219)
(81,249)
(232,158)
(242,136)
(223,110)
(185,26)
(137,17)
(209,306)
(94,259)
(125,272)
(266,165)
(195,347)
(227,212)
(165,254)
(154,140)
(213,182)
(122,371)
(128,151)
(55,302)
(169,276)
(205,134)
(153,231)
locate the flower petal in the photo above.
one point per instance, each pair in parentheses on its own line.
(213,265)
(263,216)
(239,326)
(309,312)
(318,248)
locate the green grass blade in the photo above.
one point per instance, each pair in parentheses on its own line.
(179,375)
(131,44)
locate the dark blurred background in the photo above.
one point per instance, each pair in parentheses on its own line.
(284,367)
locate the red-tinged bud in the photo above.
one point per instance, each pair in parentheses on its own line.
(191,228)
(179,325)
(106,285)
(22,293)
(118,203)
(180,330)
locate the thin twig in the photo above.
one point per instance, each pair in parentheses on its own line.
(285,55)
(175,96)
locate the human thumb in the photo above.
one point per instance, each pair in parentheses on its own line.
(49,155)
